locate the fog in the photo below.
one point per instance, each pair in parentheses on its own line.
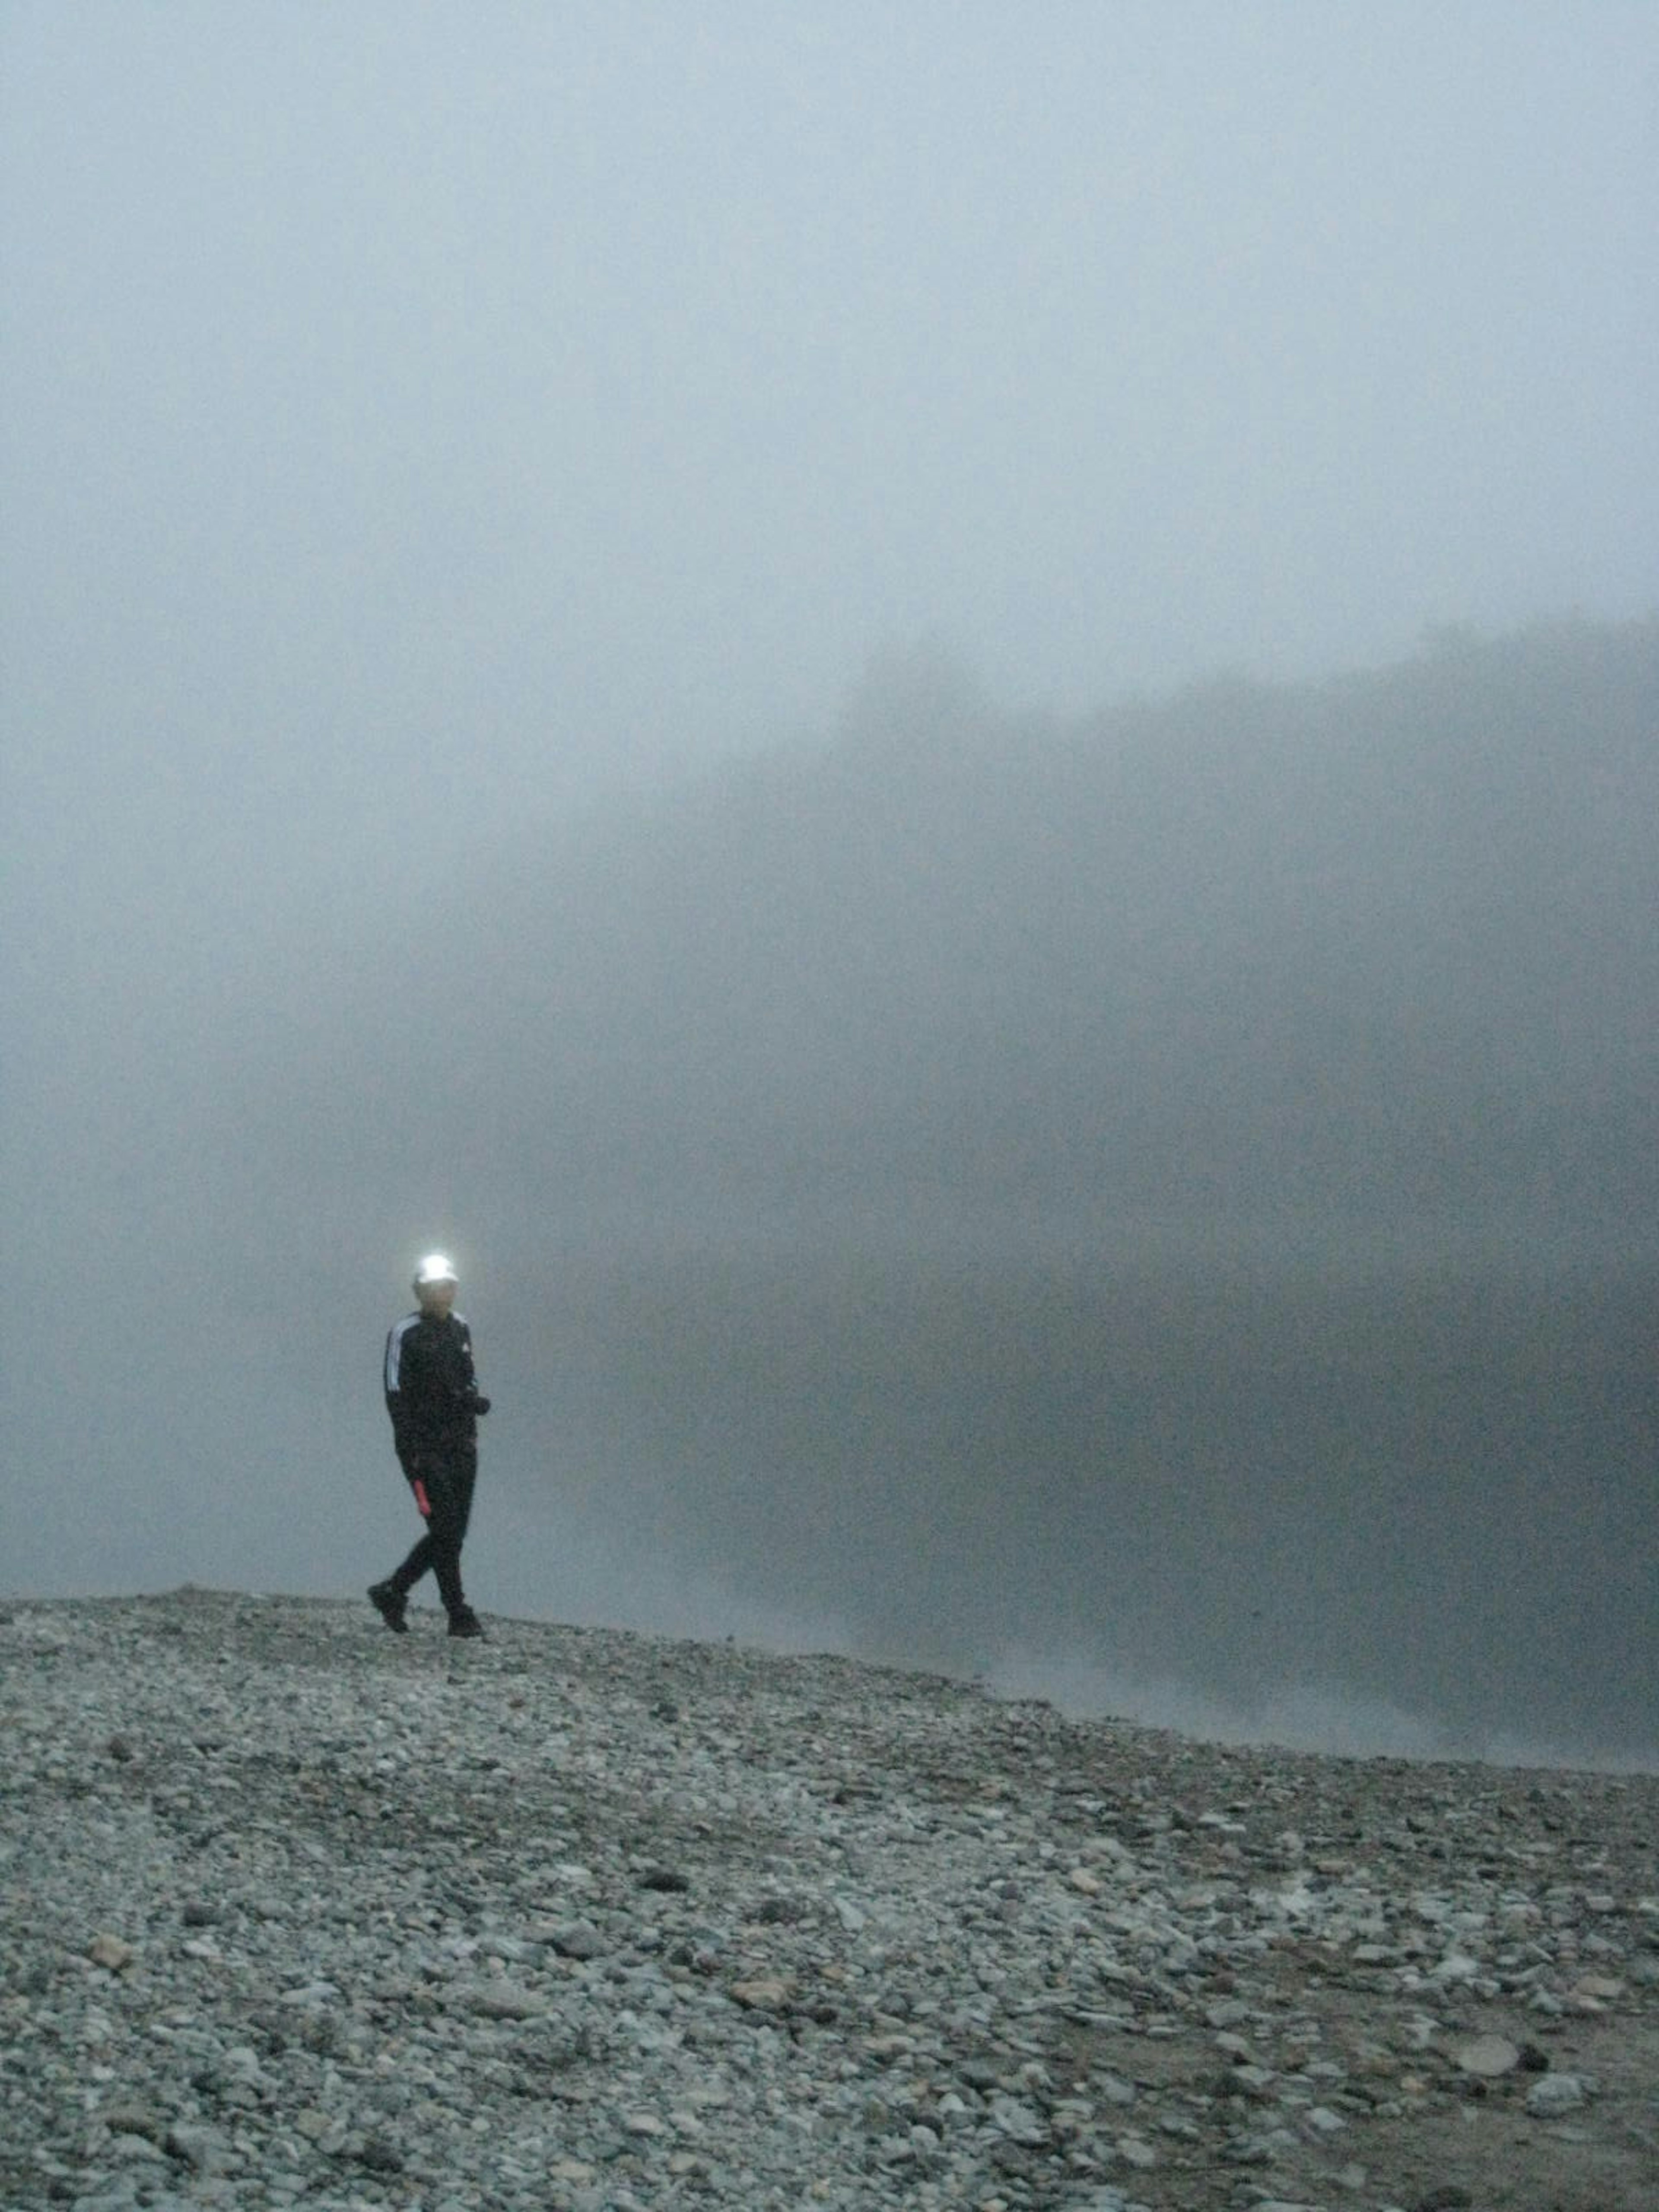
(943,730)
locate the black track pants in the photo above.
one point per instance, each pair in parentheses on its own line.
(444,1479)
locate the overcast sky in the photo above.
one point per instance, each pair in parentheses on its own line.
(408,403)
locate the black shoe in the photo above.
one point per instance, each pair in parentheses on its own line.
(465,1622)
(392,1606)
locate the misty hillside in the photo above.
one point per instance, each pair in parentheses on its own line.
(1168,1193)
(1383,946)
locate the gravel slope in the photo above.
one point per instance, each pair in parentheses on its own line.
(298,1911)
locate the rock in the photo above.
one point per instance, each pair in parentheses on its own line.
(667,1880)
(839,1936)
(1555,2094)
(1019,2122)
(313,1996)
(131,2146)
(764,1994)
(202,2148)
(501,2001)
(136,2120)
(577,1939)
(1489,2056)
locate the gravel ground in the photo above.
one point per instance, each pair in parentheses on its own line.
(297,1911)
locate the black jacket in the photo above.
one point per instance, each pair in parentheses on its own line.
(431,1390)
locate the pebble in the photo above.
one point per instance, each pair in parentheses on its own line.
(1558,2092)
(296,1911)
(1489,2056)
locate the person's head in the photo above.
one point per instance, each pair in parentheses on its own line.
(434,1283)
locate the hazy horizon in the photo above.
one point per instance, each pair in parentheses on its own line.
(990,670)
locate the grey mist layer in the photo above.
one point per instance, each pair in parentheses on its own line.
(1174,1191)
(941,1162)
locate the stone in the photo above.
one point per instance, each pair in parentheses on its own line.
(763,1994)
(501,2001)
(203,2148)
(135,2120)
(577,1939)
(392,1932)
(668,1881)
(1489,2056)
(1554,2093)
(129,2147)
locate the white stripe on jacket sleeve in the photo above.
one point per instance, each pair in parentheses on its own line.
(394,1350)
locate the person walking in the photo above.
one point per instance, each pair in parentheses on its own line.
(432,1395)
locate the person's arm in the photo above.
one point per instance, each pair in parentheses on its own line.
(399,1397)
(476,1398)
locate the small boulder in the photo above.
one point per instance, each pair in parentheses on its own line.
(767,1993)
(1488,2055)
(1555,2094)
